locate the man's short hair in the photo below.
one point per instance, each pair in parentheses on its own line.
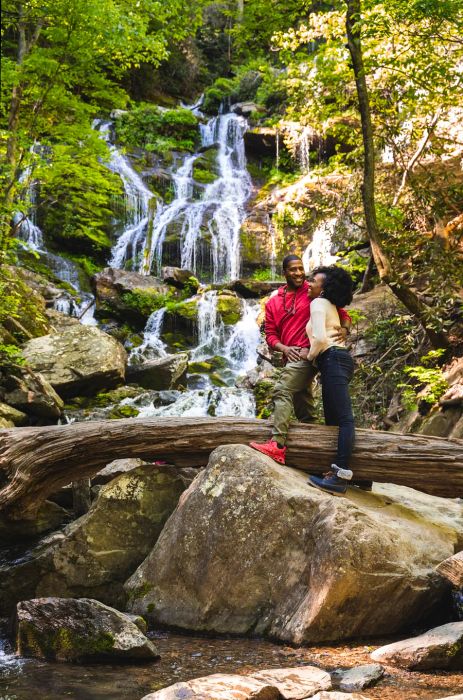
(288,259)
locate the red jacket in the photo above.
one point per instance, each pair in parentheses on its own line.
(286,317)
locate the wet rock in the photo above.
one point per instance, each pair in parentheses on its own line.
(317,568)
(102,548)
(440,423)
(50,516)
(66,629)
(81,359)
(165,373)
(261,141)
(439,648)
(361,677)
(253,289)
(178,277)
(272,684)
(127,295)
(229,307)
(12,415)
(31,393)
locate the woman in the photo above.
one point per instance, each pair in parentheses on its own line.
(331,287)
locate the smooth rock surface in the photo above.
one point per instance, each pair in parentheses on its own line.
(78,360)
(335,695)
(361,677)
(32,393)
(439,648)
(164,373)
(272,684)
(251,548)
(101,549)
(66,629)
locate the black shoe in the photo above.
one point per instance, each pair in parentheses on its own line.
(363,484)
(332,484)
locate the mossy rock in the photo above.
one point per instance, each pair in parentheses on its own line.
(263,392)
(199,367)
(229,308)
(217,380)
(22,309)
(123,412)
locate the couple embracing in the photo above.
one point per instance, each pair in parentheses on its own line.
(307,323)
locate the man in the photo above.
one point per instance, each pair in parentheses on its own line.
(286,315)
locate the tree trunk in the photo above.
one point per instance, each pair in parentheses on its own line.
(452,569)
(406,295)
(35,462)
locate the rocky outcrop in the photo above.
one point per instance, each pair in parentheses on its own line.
(127,295)
(95,554)
(65,629)
(31,393)
(11,416)
(316,567)
(50,516)
(254,289)
(81,359)
(439,648)
(272,684)
(102,548)
(165,373)
(179,277)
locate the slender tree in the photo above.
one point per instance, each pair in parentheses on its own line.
(386,272)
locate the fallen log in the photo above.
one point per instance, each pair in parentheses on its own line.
(35,462)
(452,569)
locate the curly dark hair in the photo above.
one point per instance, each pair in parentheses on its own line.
(337,285)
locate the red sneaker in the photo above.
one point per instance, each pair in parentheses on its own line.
(271,449)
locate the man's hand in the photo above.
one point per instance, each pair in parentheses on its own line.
(339,334)
(292,353)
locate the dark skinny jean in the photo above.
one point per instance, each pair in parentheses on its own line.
(336,370)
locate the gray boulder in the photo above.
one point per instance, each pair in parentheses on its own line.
(80,359)
(252,549)
(439,648)
(31,393)
(361,677)
(101,549)
(95,554)
(66,629)
(12,416)
(164,373)
(179,277)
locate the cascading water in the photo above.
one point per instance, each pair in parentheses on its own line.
(318,252)
(217,215)
(131,242)
(152,345)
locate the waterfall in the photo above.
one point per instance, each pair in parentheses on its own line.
(218,214)
(303,148)
(211,329)
(240,348)
(152,345)
(318,252)
(27,225)
(130,244)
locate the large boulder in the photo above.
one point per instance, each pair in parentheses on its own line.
(82,359)
(439,648)
(102,548)
(95,554)
(163,373)
(66,629)
(179,277)
(127,295)
(31,393)
(253,549)
(273,684)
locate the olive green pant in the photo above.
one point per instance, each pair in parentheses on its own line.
(293,395)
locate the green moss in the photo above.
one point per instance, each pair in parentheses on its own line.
(140,591)
(150,608)
(22,309)
(199,367)
(263,395)
(203,176)
(145,301)
(214,96)
(156,131)
(229,308)
(187,309)
(216,380)
(123,412)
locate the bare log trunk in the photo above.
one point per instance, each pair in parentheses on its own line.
(452,569)
(34,462)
